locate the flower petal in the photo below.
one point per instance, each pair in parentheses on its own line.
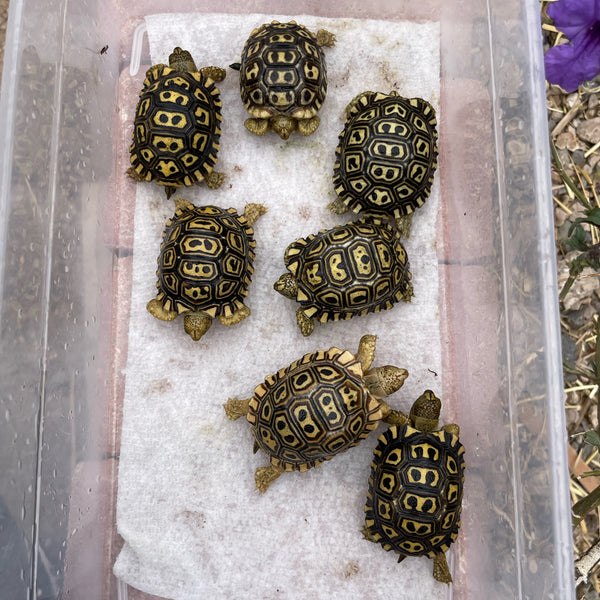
(569,65)
(573,17)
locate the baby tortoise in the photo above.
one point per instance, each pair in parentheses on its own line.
(177,125)
(205,266)
(349,270)
(386,157)
(283,78)
(415,491)
(319,406)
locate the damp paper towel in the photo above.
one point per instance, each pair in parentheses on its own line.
(192,523)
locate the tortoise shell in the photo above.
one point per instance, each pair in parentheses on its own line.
(349,270)
(386,155)
(205,261)
(415,491)
(313,409)
(283,71)
(177,127)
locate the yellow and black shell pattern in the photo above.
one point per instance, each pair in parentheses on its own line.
(386,155)
(349,270)
(415,492)
(205,261)
(313,409)
(283,71)
(177,128)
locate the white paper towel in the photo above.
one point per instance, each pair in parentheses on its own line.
(193,525)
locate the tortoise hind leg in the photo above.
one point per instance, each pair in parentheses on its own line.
(441,571)
(265,476)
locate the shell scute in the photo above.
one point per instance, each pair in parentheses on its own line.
(313,409)
(205,261)
(415,491)
(177,127)
(386,155)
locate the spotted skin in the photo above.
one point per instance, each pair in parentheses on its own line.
(177,128)
(386,155)
(414,499)
(205,261)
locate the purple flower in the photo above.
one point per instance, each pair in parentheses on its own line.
(569,65)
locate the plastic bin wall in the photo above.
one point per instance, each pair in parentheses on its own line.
(57,260)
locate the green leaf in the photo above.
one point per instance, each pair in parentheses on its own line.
(592,437)
(593,216)
(577,238)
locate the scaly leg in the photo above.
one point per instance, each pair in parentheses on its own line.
(234,408)
(441,571)
(338,206)
(215,73)
(238,315)
(305,323)
(156,309)
(265,476)
(214,180)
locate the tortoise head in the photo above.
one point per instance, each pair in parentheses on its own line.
(287,286)
(181,60)
(425,412)
(383,381)
(283,125)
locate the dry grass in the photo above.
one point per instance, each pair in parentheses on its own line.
(574,125)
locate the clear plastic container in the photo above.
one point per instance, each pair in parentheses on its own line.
(65,257)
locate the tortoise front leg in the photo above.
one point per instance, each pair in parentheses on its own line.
(265,476)
(234,408)
(214,180)
(156,309)
(403,224)
(257,126)
(366,351)
(338,206)
(393,417)
(215,73)
(136,176)
(441,571)
(253,211)
(325,38)
(235,317)
(305,323)
(308,126)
